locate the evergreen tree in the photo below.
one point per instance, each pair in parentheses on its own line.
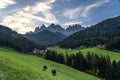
(61,58)
(80,62)
(114,70)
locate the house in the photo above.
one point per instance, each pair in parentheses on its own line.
(35,51)
(70,49)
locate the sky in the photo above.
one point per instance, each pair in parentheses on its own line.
(24,15)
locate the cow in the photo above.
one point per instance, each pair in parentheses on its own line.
(44,68)
(53,72)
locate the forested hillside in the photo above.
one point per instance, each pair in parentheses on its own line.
(17,41)
(100,33)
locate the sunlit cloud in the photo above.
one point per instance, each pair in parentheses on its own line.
(28,27)
(22,19)
(6,3)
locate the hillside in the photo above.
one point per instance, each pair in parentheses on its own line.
(100,33)
(15,66)
(17,41)
(46,37)
(112,55)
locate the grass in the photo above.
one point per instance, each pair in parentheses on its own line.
(112,55)
(15,66)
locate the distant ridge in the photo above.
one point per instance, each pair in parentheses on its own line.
(46,37)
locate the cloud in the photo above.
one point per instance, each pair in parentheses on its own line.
(72,13)
(83,11)
(72,22)
(92,6)
(26,17)
(6,3)
(28,27)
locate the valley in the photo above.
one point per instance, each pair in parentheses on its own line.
(47,40)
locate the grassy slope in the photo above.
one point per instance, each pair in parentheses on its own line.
(113,55)
(15,66)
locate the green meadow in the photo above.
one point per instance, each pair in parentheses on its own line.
(16,66)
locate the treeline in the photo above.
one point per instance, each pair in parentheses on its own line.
(100,66)
(17,41)
(114,44)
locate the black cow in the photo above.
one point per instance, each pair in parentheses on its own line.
(44,68)
(53,72)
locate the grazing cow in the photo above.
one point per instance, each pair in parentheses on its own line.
(53,72)
(44,68)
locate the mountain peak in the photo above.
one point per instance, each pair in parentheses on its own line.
(43,26)
(74,28)
(52,24)
(57,28)
(39,29)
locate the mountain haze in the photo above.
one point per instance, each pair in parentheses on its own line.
(46,37)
